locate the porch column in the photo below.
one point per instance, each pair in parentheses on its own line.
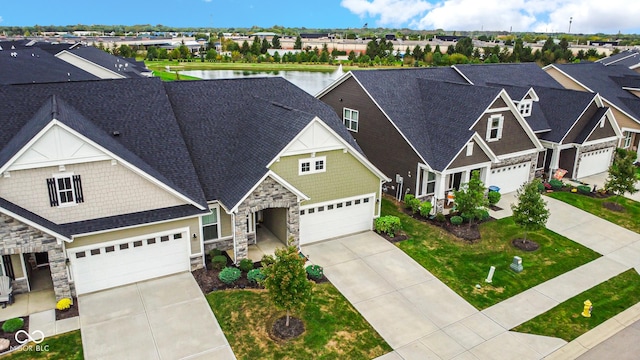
(240,230)
(58,267)
(293,225)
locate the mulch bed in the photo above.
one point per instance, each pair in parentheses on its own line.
(279,330)
(613,206)
(11,336)
(70,312)
(525,245)
(401,236)
(465,232)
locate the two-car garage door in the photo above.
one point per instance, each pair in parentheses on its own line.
(337,218)
(510,178)
(126,261)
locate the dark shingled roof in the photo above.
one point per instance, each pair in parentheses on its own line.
(150,138)
(34,65)
(523,75)
(418,105)
(625,58)
(562,108)
(606,81)
(106,60)
(235,127)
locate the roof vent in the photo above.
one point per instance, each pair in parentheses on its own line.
(115,133)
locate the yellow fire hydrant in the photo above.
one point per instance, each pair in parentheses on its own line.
(586,312)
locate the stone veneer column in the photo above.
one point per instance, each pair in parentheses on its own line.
(293,225)
(58,267)
(240,230)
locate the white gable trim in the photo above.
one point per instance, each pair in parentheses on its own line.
(334,84)
(568,76)
(514,110)
(343,145)
(35,225)
(481,143)
(301,196)
(462,74)
(126,164)
(532,94)
(609,116)
(88,66)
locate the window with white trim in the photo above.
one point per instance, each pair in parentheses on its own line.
(470,149)
(210,225)
(429,187)
(65,189)
(628,136)
(350,118)
(494,127)
(525,107)
(312,165)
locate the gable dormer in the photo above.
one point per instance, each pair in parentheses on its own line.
(525,105)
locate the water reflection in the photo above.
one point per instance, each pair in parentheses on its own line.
(310,81)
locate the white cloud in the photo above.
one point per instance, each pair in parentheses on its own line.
(589,16)
(389,12)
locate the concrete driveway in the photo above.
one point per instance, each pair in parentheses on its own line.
(164,318)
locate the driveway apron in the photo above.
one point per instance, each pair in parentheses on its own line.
(164,318)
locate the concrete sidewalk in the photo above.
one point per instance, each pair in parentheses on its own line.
(417,314)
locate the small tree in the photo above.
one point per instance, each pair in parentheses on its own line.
(470,200)
(530,213)
(286,280)
(622,173)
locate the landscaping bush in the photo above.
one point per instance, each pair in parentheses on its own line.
(541,187)
(229,275)
(555,184)
(493,197)
(266,260)
(425,208)
(13,325)
(63,304)
(215,252)
(466,217)
(484,215)
(415,205)
(407,200)
(388,224)
(255,276)
(218,262)
(246,265)
(456,220)
(315,272)
(440,217)
(584,189)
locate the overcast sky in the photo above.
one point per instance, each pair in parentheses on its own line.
(589,16)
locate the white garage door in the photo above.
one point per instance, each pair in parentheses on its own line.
(594,162)
(116,263)
(337,218)
(509,178)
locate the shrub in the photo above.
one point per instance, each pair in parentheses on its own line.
(466,217)
(229,275)
(541,187)
(388,224)
(266,260)
(456,220)
(246,265)
(218,262)
(584,189)
(215,252)
(484,215)
(13,325)
(315,272)
(415,205)
(63,304)
(425,208)
(255,276)
(440,217)
(555,184)
(407,200)
(493,197)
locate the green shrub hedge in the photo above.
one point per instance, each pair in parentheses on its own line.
(407,200)
(456,220)
(315,271)
(584,189)
(218,262)
(229,275)
(255,276)
(493,197)
(556,184)
(425,208)
(13,325)
(389,225)
(246,265)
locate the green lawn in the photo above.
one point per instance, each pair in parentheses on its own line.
(461,265)
(609,298)
(629,219)
(197,65)
(62,347)
(334,329)
(172,76)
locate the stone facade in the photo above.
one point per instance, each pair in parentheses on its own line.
(196,262)
(222,245)
(585,149)
(19,238)
(269,194)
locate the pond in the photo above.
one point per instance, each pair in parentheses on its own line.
(310,81)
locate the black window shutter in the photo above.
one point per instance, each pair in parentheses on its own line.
(8,267)
(77,187)
(53,194)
